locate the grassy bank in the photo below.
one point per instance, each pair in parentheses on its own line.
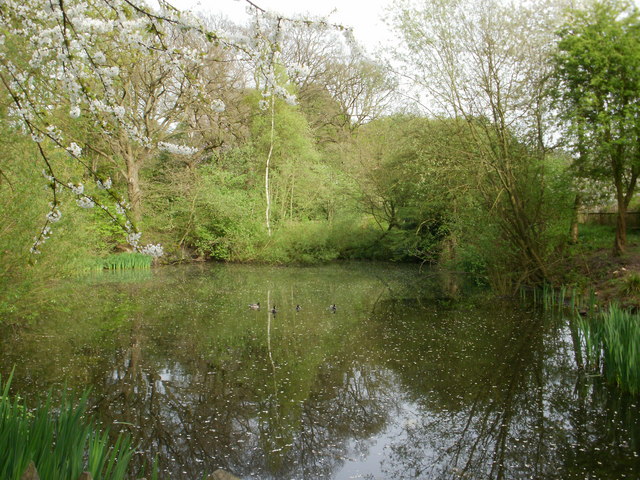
(591,266)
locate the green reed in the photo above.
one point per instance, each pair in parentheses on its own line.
(126,261)
(561,298)
(621,342)
(609,340)
(58,440)
(611,344)
(591,341)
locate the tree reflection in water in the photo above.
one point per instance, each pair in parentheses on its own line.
(517,409)
(217,417)
(403,382)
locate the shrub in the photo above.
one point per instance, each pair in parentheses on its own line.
(632,284)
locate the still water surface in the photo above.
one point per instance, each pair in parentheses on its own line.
(409,379)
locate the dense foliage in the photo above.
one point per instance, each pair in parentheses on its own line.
(598,74)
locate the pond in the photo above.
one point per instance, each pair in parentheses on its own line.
(410,378)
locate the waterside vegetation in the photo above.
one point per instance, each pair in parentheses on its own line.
(606,337)
(57,441)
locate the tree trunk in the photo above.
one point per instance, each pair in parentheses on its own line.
(573,229)
(448,252)
(620,243)
(267,191)
(133,187)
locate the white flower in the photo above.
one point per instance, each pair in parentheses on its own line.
(133,239)
(218,106)
(290,99)
(106,185)
(120,208)
(74,149)
(46,175)
(54,133)
(74,112)
(99,57)
(299,70)
(176,149)
(54,215)
(111,71)
(76,189)
(85,202)
(153,250)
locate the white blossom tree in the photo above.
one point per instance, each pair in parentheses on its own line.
(132,74)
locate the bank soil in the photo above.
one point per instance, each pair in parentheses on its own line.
(613,279)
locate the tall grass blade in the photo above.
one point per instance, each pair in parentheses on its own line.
(61,442)
(609,341)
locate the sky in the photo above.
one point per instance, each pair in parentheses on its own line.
(364,16)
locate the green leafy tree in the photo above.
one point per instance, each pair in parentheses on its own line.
(413,176)
(597,68)
(485,65)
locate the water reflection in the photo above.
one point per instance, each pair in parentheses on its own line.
(402,382)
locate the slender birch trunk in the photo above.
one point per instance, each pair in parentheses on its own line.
(266,170)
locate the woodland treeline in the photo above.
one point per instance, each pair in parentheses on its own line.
(472,144)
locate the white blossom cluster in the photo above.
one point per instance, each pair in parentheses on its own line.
(104,184)
(133,239)
(298,71)
(40,239)
(153,250)
(54,215)
(85,202)
(100,106)
(74,149)
(595,192)
(47,175)
(76,189)
(176,149)
(121,208)
(218,106)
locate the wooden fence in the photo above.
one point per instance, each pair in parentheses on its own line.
(606,218)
